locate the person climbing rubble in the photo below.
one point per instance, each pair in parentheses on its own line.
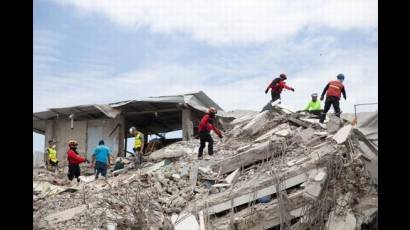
(333,91)
(101,159)
(74,161)
(204,129)
(138,145)
(277,85)
(51,160)
(314,106)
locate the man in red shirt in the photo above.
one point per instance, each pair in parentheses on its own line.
(74,160)
(204,129)
(277,85)
(333,91)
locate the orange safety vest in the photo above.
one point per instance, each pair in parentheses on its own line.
(335,89)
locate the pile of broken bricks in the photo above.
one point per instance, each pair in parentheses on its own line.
(278,168)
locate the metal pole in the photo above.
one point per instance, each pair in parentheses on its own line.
(355,110)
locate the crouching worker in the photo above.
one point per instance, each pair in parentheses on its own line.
(74,161)
(314,106)
(204,129)
(101,159)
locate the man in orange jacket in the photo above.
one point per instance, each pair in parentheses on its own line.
(74,161)
(277,85)
(334,89)
(204,129)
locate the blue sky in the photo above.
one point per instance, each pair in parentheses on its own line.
(89,51)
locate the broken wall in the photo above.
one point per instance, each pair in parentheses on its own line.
(87,133)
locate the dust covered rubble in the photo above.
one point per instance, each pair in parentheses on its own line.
(273,168)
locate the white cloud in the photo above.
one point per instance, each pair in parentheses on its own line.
(75,88)
(233,21)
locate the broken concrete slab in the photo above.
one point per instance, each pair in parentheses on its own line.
(334,124)
(262,216)
(341,135)
(231,178)
(256,123)
(175,150)
(341,222)
(65,215)
(185,222)
(283,133)
(256,153)
(87,179)
(157,166)
(219,202)
(299,122)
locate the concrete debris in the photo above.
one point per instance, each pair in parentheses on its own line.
(185,222)
(341,135)
(232,177)
(283,133)
(334,124)
(256,123)
(342,222)
(271,168)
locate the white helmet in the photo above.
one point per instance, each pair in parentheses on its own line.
(132,130)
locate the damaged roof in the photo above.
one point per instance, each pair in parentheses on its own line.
(167,104)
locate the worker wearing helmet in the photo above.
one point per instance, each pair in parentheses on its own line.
(139,144)
(277,85)
(333,90)
(74,161)
(51,156)
(204,129)
(314,106)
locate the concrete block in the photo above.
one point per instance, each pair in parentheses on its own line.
(256,123)
(334,124)
(341,135)
(342,222)
(231,178)
(186,222)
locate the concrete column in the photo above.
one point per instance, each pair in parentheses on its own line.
(49,134)
(121,136)
(187,125)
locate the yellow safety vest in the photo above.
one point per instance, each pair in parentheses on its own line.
(52,154)
(138,141)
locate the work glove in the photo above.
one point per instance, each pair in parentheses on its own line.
(293,90)
(321,98)
(266,91)
(220,136)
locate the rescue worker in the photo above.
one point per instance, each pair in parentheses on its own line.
(139,145)
(51,156)
(101,159)
(277,86)
(204,128)
(74,161)
(333,91)
(314,106)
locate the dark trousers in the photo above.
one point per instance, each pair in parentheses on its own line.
(206,137)
(330,101)
(73,171)
(138,156)
(316,112)
(100,167)
(275,95)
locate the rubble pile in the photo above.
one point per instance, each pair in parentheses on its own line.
(273,169)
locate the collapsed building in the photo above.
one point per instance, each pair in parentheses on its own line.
(276,169)
(89,124)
